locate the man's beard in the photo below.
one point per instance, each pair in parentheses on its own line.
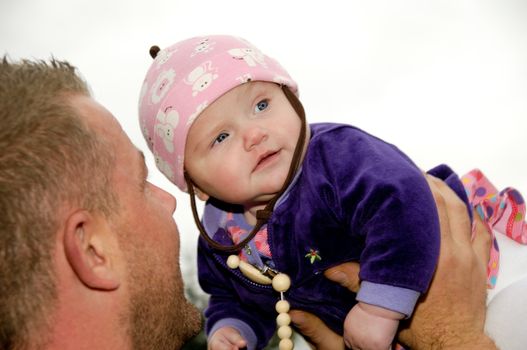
(160,317)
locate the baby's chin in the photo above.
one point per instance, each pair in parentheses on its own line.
(255,197)
(258,202)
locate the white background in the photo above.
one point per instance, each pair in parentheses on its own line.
(446,81)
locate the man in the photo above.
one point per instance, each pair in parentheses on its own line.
(89,250)
(88,247)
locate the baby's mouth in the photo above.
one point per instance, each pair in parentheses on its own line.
(265,159)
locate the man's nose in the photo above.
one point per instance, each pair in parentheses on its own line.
(168,200)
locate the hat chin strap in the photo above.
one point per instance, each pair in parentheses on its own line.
(263,215)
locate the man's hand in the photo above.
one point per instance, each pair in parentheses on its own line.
(452,313)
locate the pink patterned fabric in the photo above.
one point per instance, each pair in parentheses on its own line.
(187,77)
(502,211)
(238,234)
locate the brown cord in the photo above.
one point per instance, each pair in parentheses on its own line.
(264,214)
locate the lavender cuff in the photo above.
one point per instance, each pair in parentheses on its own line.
(242,327)
(397,299)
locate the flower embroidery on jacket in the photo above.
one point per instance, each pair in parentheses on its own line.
(313,256)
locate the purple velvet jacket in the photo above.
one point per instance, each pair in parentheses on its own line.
(356,198)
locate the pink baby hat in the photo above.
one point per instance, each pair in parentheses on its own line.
(187,77)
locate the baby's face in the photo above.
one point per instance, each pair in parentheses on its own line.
(240,148)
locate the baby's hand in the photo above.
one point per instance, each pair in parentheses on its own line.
(226,338)
(369,327)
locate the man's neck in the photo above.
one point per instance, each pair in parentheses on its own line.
(86,318)
(86,333)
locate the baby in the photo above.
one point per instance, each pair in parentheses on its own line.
(224,122)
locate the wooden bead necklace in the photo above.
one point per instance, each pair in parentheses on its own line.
(281,283)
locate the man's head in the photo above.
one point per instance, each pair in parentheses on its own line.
(84,237)
(48,158)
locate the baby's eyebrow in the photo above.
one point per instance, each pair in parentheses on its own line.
(207,137)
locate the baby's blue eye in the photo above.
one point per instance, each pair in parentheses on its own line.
(221,137)
(260,106)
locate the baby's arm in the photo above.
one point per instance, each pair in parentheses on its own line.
(226,338)
(370,327)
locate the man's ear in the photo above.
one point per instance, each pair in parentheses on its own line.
(90,248)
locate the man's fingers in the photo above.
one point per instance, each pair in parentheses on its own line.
(347,275)
(315,331)
(458,216)
(452,211)
(435,187)
(482,240)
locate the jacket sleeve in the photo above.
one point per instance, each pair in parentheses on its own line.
(381,196)
(400,226)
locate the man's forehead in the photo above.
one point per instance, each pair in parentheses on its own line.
(96,115)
